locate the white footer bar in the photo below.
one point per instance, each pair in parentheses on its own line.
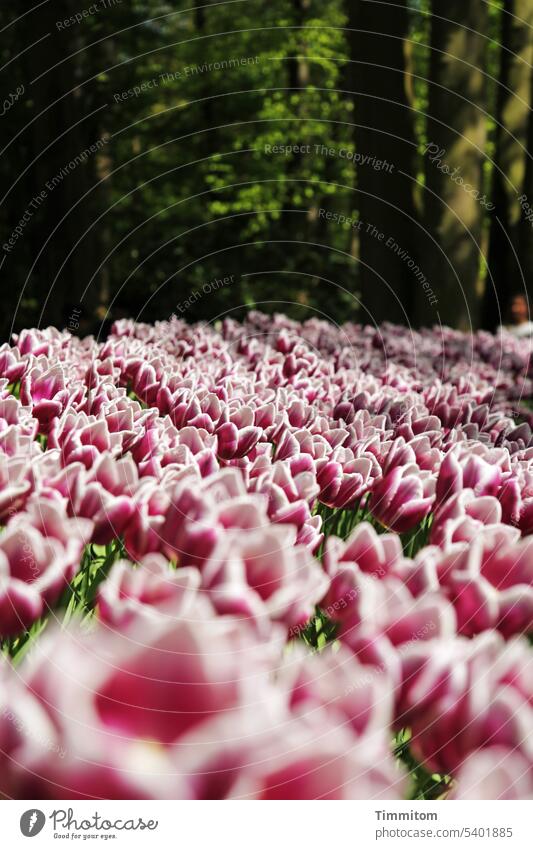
(267,825)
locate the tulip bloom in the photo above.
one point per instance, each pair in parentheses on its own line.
(402,498)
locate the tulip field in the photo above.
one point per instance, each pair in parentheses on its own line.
(266,560)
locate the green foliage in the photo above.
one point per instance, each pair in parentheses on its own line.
(423,784)
(189,100)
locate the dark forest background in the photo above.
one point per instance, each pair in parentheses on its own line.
(147,152)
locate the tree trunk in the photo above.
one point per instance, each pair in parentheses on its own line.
(298,79)
(512,116)
(456,130)
(524,279)
(385,156)
(54,154)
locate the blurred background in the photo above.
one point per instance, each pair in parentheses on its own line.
(356,160)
